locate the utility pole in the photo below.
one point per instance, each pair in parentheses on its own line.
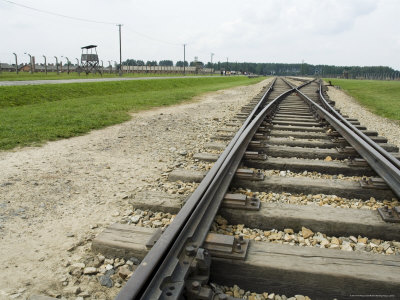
(45,64)
(58,73)
(212,54)
(227,64)
(68,62)
(30,62)
(184,59)
(16,63)
(77,69)
(120,51)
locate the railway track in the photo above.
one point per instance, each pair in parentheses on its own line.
(300,200)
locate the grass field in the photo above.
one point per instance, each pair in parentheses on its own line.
(31,115)
(381,97)
(22,76)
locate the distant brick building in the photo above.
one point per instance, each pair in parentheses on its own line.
(7,67)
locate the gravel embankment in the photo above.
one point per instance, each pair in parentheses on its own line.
(349,106)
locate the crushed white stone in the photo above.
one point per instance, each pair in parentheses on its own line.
(148,218)
(307,238)
(318,199)
(313,175)
(237,292)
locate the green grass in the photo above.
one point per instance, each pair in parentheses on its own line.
(31,115)
(380,97)
(23,76)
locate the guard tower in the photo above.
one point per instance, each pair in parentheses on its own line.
(90,61)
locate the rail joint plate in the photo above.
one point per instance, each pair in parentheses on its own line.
(249,174)
(390,215)
(258,144)
(374,183)
(255,155)
(260,136)
(241,201)
(357,162)
(264,129)
(226,246)
(199,276)
(339,140)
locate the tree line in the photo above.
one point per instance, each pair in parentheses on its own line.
(294,69)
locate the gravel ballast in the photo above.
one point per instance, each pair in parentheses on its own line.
(318,199)
(350,106)
(307,238)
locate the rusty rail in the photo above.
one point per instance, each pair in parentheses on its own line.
(383,163)
(177,263)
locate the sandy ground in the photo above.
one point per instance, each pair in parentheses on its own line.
(59,196)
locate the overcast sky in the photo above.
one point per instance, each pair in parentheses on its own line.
(337,32)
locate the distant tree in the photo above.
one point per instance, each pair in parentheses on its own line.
(180,63)
(129,62)
(167,63)
(370,72)
(196,63)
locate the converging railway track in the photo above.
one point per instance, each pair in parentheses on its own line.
(300,200)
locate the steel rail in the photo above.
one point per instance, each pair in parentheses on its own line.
(376,157)
(165,268)
(145,272)
(366,138)
(167,258)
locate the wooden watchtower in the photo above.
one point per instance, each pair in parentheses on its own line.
(90,61)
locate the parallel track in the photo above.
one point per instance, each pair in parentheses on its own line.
(285,117)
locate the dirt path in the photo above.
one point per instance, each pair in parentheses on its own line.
(57,197)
